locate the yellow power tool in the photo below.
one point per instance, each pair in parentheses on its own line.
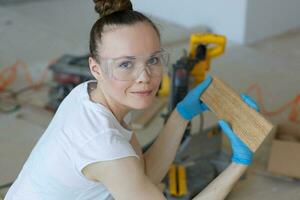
(213,45)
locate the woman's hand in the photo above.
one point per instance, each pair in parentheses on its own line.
(191,105)
(241,154)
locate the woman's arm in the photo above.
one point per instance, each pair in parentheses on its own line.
(124,178)
(223,184)
(162,153)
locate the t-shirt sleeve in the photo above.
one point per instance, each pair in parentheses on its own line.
(109,145)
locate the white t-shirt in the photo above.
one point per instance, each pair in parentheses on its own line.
(81,132)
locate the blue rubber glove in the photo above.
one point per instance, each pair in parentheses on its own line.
(241,154)
(191,105)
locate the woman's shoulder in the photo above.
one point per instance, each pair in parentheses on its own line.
(89,118)
(86,118)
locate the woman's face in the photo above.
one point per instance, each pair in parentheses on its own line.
(136,40)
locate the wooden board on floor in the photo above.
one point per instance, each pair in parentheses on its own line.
(146,115)
(247,123)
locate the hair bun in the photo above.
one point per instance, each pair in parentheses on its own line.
(107,7)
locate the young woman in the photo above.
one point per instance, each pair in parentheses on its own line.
(88,152)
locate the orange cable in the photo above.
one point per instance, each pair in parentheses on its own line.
(8,75)
(293,104)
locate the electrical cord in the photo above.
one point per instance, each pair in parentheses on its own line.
(8,74)
(9,102)
(292,104)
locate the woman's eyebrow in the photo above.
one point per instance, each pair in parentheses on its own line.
(126,57)
(134,57)
(156,52)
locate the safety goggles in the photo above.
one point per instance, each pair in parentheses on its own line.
(130,67)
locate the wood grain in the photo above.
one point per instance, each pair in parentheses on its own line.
(249,125)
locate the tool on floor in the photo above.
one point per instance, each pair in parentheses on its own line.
(68,71)
(203,47)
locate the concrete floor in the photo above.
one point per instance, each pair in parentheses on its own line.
(33,33)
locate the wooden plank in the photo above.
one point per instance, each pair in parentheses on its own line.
(146,115)
(249,125)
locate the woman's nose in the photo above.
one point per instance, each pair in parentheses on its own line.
(144,75)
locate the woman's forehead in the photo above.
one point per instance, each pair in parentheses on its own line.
(129,40)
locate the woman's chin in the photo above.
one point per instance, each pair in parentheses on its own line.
(143,103)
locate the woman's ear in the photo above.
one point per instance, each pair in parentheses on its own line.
(95,68)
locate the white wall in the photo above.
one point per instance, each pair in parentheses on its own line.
(222,16)
(242,21)
(270,17)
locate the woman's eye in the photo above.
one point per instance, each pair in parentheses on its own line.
(126,64)
(153,61)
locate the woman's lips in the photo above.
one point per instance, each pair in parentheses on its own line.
(143,93)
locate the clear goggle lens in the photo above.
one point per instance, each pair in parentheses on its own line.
(129,68)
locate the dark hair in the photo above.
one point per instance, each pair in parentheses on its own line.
(114,13)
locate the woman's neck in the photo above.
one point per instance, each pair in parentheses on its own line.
(98,96)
